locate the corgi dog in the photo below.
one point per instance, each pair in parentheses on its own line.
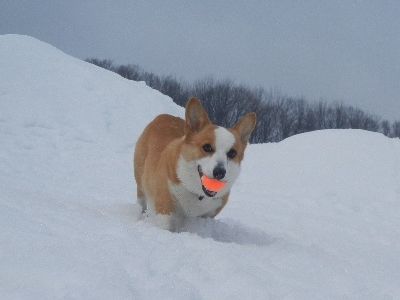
(171,157)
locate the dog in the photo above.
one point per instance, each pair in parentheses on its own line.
(173,154)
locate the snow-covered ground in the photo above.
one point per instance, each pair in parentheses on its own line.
(313,217)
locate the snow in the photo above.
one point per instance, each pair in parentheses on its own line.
(312,217)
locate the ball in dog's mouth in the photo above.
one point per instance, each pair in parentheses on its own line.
(205,181)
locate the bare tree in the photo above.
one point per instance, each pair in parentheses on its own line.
(103,63)
(385,127)
(396,129)
(131,72)
(279,116)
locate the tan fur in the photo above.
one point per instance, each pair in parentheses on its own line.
(167,138)
(156,156)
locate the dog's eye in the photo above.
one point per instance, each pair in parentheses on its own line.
(207,148)
(231,153)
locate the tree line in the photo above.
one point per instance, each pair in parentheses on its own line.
(278,116)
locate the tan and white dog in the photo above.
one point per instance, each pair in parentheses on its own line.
(172,154)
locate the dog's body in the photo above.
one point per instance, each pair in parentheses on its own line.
(172,154)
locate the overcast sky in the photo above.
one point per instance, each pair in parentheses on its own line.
(336,50)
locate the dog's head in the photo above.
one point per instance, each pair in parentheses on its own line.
(211,150)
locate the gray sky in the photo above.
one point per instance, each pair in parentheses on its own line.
(335,50)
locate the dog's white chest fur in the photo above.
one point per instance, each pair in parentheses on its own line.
(188,204)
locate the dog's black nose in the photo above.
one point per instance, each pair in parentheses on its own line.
(219,172)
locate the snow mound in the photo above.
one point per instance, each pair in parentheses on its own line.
(312,217)
(43,87)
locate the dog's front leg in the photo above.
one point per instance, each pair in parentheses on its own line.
(165,213)
(164,221)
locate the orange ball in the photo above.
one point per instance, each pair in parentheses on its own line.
(211,184)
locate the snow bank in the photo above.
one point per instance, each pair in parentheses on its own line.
(312,217)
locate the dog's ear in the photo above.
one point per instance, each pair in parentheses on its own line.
(245,126)
(196,117)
